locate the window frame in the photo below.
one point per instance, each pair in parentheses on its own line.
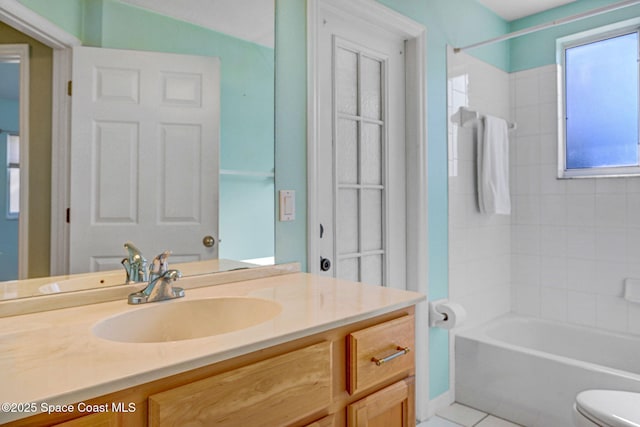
(580,39)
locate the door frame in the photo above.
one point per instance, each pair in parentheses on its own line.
(30,23)
(416,155)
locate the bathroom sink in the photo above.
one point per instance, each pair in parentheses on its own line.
(185,320)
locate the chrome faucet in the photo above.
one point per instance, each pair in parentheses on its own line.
(160,285)
(135,264)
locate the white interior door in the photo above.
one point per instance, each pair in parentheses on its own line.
(361,152)
(144,156)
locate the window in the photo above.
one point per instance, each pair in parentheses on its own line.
(13,176)
(600,104)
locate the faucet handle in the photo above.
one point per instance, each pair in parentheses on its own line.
(160,264)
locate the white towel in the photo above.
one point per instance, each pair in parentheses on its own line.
(493,166)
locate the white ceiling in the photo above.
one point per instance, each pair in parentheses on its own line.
(516,9)
(251,20)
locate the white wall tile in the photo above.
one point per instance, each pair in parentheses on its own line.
(581,308)
(611,210)
(633,184)
(526,269)
(610,277)
(553,241)
(549,149)
(633,245)
(549,182)
(549,118)
(580,186)
(548,85)
(527,300)
(611,244)
(526,239)
(581,210)
(581,242)
(527,150)
(528,119)
(480,245)
(528,90)
(611,186)
(581,275)
(565,250)
(527,179)
(527,209)
(633,209)
(553,271)
(633,318)
(553,304)
(611,313)
(553,209)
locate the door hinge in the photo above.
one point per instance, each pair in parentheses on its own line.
(68,215)
(69,87)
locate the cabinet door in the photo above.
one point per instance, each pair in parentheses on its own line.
(105,419)
(393,406)
(273,392)
(328,421)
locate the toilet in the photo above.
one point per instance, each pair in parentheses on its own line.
(606,408)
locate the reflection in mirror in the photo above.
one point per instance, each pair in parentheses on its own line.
(9,166)
(246,175)
(13,289)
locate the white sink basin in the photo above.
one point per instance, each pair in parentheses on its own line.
(177,320)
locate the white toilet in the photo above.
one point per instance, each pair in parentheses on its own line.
(607,408)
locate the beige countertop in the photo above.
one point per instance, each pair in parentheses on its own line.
(53,357)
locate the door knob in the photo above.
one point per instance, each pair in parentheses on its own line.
(208,241)
(325,264)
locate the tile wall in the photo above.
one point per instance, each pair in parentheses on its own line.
(573,241)
(565,250)
(480,245)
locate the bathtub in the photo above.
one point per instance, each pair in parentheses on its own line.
(529,370)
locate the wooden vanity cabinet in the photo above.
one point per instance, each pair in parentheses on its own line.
(329,379)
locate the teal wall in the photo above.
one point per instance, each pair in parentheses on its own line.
(247,104)
(67,14)
(447,22)
(9,120)
(539,49)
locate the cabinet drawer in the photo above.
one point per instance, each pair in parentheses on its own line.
(380,352)
(275,391)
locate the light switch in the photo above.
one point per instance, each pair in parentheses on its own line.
(287,205)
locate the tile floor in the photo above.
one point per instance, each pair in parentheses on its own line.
(458,415)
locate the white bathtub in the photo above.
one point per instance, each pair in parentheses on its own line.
(529,370)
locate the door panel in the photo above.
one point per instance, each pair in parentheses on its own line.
(361,163)
(389,407)
(144,151)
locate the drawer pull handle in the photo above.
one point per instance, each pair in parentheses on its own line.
(401,352)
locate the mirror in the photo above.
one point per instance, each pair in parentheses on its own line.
(246,181)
